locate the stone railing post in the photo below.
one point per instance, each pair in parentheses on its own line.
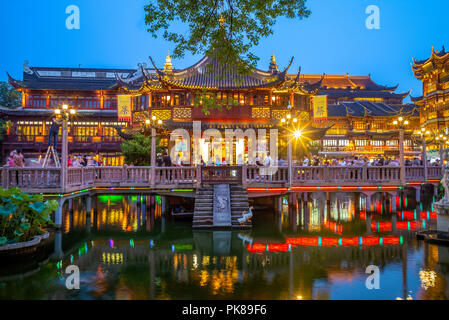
(244,175)
(82,176)
(326,173)
(5,178)
(124,173)
(198,175)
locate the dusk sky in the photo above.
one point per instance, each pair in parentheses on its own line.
(333,40)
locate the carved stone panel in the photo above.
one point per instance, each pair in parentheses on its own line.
(222,206)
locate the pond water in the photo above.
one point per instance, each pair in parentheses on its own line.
(315,249)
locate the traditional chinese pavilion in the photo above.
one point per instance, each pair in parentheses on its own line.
(434,103)
(355,107)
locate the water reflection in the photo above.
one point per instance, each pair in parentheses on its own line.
(312,246)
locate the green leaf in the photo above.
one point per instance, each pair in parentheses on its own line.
(18,233)
(3,241)
(25,226)
(7,209)
(17,197)
(37,206)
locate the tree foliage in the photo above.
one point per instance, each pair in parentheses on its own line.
(9,97)
(137,151)
(223,29)
(208,101)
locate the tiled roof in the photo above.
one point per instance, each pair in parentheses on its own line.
(435,54)
(209,73)
(354,93)
(344,82)
(374,109)
(48,112)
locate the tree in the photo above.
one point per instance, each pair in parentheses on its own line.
(9,97)
(137,151)
(223,29)
(208,101)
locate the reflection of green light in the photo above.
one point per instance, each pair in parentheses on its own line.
(131,243)
(381,241)
(158,199)
(408,225)
(183,190)
(319,241)
(180,247)
(106,199)
(401,240)
(71,258)
(133,198)
(340,242)
(423,224)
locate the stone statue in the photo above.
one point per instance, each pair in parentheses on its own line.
(445,183)
(26,68)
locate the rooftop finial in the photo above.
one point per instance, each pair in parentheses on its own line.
(168,67)
(273,65)
(222,20)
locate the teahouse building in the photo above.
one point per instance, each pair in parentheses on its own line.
(358,111)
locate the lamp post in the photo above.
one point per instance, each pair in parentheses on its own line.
(153,123)
(65,113)
(287,122)
(423,134)
(401,123)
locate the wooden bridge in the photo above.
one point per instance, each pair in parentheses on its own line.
(55,181)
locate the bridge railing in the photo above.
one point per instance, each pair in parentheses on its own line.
(50,178)
(31,178)
(215,175)
(434,172)
(175,175)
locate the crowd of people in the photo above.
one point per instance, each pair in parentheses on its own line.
(16,159)
(265,160)
(364,161)
(83,161)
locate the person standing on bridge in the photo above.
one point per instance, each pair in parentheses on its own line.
(56,123)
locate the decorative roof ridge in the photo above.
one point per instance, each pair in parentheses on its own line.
(17,84)
(438,55)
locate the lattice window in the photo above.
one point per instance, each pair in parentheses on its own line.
(162,114)
(261,113)
(140,116)
(182,113)
(279,114)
